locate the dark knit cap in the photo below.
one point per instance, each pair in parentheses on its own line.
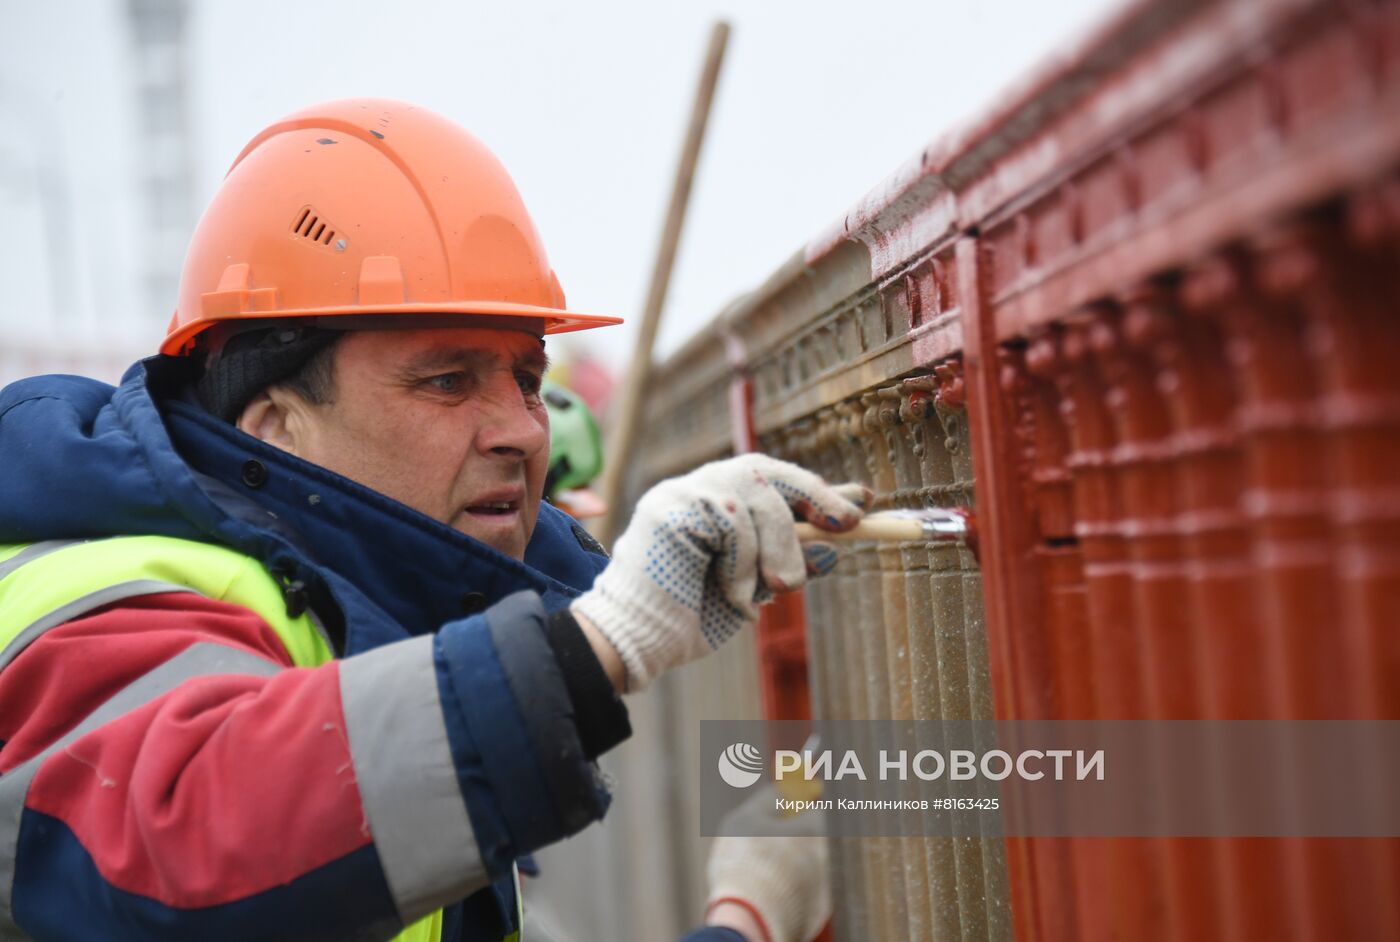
(251,361)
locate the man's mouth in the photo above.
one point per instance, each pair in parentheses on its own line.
(494,508)
(505,502)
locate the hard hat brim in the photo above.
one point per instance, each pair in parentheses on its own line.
(556,321)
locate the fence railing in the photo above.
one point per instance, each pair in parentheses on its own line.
(1143,317)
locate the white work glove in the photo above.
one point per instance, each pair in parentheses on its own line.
(703,551)
(781,878)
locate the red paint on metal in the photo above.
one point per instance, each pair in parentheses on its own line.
(1039,907)
(1175,282)
(1197,385)
(781,634)
(1139,906)
(1349,333)
(1140,461)
(1049,501)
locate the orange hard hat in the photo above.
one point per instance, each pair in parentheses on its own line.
(366,207)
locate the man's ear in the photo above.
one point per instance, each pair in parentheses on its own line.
(268,418)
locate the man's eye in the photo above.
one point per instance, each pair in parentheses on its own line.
(529,383)
(447,382)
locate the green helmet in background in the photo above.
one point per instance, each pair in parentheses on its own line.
(575,443)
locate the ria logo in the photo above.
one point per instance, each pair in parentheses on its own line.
(741,765)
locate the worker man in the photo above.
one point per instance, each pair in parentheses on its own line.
(289,645)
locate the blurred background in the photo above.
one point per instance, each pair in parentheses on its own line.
(121,117)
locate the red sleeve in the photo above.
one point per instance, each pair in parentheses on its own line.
(74,668)
(225,786)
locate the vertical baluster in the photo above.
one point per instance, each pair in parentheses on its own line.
(920,433)
(1370,513)
(949,628)
(1028,378)
(1139,903)
(857,603)
(796,443)
(950,406)
(851,898)
(874,625)
(900,626)
(920,475)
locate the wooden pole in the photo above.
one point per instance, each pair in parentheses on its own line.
(624,434)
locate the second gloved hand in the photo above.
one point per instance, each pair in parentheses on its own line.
(703,551)
(781,879)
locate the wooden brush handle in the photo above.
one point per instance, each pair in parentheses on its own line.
(886,529)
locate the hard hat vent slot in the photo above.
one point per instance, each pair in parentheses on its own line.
(308,224)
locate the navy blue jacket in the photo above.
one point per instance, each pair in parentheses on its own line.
(80,459)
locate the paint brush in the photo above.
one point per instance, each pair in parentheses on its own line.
(927,525)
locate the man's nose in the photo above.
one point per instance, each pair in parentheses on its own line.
(509,427)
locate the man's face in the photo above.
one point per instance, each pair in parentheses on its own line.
(446,420)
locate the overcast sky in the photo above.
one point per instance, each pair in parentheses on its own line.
(585,103)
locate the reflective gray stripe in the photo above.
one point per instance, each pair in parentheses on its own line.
(86,603)
(198,660)
(34,551)
(407,781)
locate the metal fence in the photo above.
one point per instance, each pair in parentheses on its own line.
(1143,318)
